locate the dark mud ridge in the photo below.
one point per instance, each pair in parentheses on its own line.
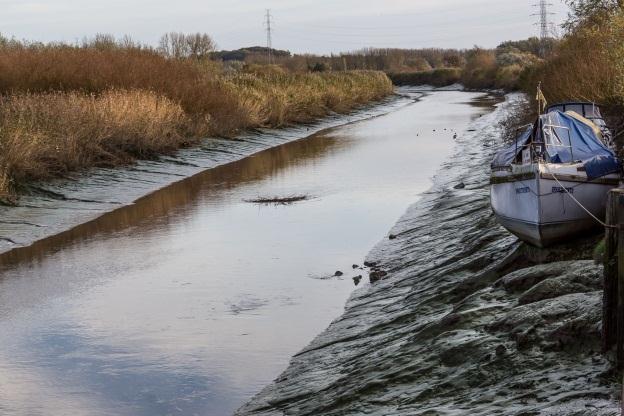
(467,321)
(48,208)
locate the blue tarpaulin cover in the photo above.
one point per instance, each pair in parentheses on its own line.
(566,139)
(504,157)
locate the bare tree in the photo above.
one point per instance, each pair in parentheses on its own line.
(179,45)
(199,45)
(173,45)
(100,41)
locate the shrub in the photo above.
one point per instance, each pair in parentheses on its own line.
(480,69)
(507,77)
(319,67)
(438,77)
(587,65)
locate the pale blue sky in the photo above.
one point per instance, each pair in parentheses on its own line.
(318,26)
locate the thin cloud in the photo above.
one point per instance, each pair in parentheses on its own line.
(317,26)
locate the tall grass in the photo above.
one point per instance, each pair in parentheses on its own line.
(278,98)
(64,108)
(48,134)
(196,86)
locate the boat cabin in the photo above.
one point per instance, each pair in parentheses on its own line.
(555,135)
(590,111)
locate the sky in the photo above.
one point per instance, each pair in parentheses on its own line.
(301,26)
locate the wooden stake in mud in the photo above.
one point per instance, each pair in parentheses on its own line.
(613,298)
(620,283)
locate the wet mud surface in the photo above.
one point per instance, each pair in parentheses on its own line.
(191,299)
(45,209)
(462,319)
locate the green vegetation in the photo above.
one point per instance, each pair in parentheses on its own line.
(106,101)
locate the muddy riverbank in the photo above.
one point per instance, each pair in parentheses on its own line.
(48,208)
(466,319)
(193,298)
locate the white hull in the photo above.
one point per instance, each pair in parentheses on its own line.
(531,204)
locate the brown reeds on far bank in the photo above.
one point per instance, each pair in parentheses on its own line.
(66,108)
(48,134)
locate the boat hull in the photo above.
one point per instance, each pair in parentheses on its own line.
(537,209)
(544,235)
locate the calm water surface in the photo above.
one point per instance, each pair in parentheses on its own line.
(191,300)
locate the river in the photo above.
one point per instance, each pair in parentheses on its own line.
(192,299)
(466,321)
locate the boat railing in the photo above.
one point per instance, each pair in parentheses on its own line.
(552,128)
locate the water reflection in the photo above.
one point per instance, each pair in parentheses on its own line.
(191,300)
(179,199)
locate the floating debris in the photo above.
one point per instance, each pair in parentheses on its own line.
(276,200)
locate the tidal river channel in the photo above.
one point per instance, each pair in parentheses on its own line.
(193,299)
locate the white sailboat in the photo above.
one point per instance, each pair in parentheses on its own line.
(552,183)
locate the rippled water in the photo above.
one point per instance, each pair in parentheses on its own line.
(191,300)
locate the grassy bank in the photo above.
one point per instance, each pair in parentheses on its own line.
(65,108)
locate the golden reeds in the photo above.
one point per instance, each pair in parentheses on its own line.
(47,134)
(68,108)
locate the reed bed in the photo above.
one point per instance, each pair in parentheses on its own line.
(48,134)
(64,109)
(279,98)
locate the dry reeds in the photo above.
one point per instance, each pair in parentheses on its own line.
(48,134)
(279,98)
(64,108)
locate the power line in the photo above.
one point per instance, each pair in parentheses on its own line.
(267,24)
(543,14)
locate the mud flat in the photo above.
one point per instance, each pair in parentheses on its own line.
(464,321)
(191,299)
(48,208)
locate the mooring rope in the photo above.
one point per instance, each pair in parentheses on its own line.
(577,201)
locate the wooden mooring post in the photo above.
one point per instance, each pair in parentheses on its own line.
(613,297)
